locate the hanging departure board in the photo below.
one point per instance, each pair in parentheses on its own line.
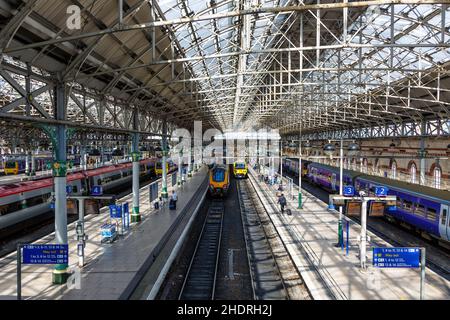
(353,208)
(377,209)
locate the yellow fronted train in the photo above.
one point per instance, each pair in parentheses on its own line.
(170,166)
(240,170)
(219,180)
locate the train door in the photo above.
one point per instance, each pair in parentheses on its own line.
(333,182)
(444,222)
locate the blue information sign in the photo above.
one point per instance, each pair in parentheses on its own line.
(96,191)
(153,194)
(349,191)
(381,191)
(45,254)
(125,208)
(396,257)
(115,211)
(69,189)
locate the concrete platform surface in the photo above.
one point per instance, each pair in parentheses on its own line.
(109,268)
(310,234)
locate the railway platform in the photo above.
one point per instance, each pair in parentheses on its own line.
(310,235)
(111,271)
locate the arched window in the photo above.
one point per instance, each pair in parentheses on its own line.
(437,177)
(394,170)
(413,173)
(365,166)
(376,167)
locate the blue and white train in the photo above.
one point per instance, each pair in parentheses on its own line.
(421,208)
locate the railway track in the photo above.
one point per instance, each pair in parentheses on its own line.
(274,275)
(200,280)
(437,256)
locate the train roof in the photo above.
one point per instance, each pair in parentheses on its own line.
(427,191)
(26,186)
(351,173)
(416,188)
(220,166)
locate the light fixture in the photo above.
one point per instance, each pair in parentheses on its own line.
(353,149)
(307,146)
(329,149)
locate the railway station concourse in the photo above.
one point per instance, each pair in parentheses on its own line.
(224,150)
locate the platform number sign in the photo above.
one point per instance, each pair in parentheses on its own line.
(381,191)
(96,190)
(349,191)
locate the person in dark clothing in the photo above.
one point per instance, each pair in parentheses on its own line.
(282,201)
(173,200)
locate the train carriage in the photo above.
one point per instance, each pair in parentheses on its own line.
(291,165)
(219,180)
(170,166)
(22,201)
(240,170)
(423,208)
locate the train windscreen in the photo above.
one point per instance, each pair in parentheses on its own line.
(240,166)
(10,164)
(219,175)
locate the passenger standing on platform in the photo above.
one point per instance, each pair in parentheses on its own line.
(174,199)
(282,201)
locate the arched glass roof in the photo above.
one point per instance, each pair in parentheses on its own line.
(233,64)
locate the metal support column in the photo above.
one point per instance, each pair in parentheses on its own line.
(190,162)
(33,166)
(180,168)
(60,273)
(363,235)
(281,162)
(102,159)
(83,156)
(341,192)
(300,167)
(135,215)
(27,163)
(422,155)
(165,152)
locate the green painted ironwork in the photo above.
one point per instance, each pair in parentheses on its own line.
(59,168)
(136,156)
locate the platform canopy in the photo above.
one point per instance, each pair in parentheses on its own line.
(315,66)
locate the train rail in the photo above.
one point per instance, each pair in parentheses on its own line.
(437,258)
(200,280)
(274,275)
